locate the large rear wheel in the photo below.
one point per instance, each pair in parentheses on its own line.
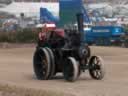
(41,64)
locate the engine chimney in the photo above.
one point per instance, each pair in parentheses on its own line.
(80,20)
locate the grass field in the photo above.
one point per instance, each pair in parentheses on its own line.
(7,90)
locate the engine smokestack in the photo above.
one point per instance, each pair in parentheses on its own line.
(80,21)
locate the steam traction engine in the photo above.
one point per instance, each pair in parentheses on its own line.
(68,54)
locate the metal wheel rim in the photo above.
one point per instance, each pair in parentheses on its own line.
(71,75)
(97,68)
(52,63)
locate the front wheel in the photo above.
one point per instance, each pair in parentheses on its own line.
(71,69)
(96,67)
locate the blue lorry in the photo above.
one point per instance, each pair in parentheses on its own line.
(105,35)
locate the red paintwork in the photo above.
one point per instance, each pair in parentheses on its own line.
(60,32)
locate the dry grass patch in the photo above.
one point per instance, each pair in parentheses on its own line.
(6,90)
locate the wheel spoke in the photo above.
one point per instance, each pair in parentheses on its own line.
(40,55)
(97,73)
(98,62)
(95,60)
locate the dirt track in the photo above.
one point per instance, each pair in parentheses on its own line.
(16,69)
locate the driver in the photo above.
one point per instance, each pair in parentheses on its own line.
(42,34)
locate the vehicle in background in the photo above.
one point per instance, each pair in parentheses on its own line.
(97,30)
